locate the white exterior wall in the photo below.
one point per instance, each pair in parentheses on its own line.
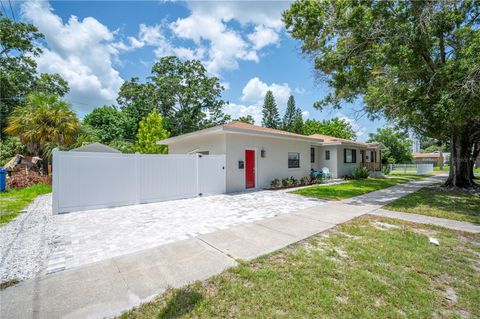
(273,165)
(215,144)
(321,162)
(346,168)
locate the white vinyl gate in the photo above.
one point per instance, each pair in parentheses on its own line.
(84,180)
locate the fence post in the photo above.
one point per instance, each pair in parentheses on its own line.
(197,169)
(137,177)
(55,188)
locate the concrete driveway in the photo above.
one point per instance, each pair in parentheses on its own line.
(95,235)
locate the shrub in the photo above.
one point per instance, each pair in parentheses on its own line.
(286,182)
(305,181)
(386,170)
(318,180)
(22,179)
(9,147)
(360,173)
(275,183)
(294,181)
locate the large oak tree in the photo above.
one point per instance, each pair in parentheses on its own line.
(181,91)
(415,62)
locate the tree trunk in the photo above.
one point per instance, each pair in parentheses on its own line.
(460,164)
(475,153)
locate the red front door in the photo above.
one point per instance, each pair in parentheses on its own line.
(249,169)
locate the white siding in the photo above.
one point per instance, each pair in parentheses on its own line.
(346,168)
(273,165)
(321,162)
(215,144)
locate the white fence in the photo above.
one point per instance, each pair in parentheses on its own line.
(83,180)
(419,169)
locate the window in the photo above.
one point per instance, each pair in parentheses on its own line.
(327,155)
(372,156)
(312,155)
(293,160)
(349,156)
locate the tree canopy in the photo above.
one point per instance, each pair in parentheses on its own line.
(109,124)
(292,120)
(414,62)
(271,117)
(290,113)
(18,70)
(44,122)
(397,145)
(181,92)
(335,127)
(246,119)
(151,130)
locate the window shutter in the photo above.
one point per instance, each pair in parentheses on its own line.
(344,155)
(354,156)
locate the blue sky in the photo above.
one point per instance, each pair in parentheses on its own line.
(95,46)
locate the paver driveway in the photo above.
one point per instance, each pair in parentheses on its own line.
(91,236)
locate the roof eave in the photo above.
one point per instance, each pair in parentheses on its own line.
(204,132)
(236,130)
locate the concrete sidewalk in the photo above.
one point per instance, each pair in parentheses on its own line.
(422,219)
(109,287)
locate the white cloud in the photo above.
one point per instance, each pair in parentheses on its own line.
(263,36)
(225,46)
(305,115)
(267,13)
(237,110)
(360,131)
(253,96)
(300,90)
(82,52)
(255,90)
(216,43)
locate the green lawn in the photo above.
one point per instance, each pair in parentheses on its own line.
(14,201)
(354,187)
(446,168)
(437,202)
(409,175)
(368,268)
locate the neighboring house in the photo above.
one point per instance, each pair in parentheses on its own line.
(96,147)
(435,158)
(256,155)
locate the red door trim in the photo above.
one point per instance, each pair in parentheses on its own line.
(250,168)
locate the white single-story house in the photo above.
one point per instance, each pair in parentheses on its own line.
(96,148)
(435,158)
(256,155)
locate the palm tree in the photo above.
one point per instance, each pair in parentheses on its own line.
(43,121)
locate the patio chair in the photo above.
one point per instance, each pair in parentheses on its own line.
(326,173)
(315,175)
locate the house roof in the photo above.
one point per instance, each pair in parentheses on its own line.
(250,129)
(336,140)
(241,128)
(97,148)
(426,155)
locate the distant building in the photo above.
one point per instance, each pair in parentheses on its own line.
(96,148)
(428,158)
(415,145)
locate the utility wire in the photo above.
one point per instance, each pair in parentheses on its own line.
(11,9)
(24,98)
(4,11)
